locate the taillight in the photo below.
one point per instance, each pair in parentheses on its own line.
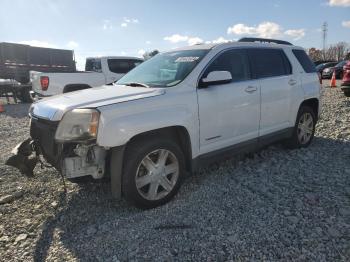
(44,82)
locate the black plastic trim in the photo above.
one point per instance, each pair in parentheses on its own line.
(264,40)
(207,84)
(249,146)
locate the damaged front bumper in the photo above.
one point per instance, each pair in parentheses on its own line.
(88,161)
(72,160)
(25,157)
(83,160)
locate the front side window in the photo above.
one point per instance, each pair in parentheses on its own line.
(234,61)
(268,62)
(164,70)
(122,66)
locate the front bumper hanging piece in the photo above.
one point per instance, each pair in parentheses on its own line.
(25,157)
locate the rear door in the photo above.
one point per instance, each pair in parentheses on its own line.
(273,69)
(308,75)
(229,113)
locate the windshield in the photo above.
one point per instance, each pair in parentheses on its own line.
(341,64)
(164,70)
(320,66)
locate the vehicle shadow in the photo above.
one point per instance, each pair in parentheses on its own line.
(91,226)
(77,214)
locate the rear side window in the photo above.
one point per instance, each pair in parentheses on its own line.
(122,66)
(269,62)
(235,61)
(93,65)
(305,61)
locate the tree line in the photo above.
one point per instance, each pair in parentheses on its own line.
(336,52)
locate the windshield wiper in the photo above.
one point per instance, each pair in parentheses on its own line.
(136,84)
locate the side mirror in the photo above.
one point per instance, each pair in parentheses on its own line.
(215,78)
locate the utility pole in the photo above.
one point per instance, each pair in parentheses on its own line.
(324,38)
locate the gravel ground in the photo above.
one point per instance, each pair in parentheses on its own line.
(276,205)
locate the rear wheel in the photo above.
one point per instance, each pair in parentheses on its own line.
(304,128)
(152,172)
(25,95)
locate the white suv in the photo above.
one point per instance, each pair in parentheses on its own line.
(174,113)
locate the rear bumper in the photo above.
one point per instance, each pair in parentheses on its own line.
(346,83)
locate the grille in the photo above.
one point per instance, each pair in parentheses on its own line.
(43,133)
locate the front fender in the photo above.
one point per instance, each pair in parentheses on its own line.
(116,129)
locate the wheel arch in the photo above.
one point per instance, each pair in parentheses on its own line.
(312,103)
(116,162)
(179,133)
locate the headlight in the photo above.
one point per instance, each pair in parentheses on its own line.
(78,125)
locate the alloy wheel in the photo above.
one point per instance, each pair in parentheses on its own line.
(157,174)
(305,128)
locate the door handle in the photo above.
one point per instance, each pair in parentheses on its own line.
(292,82)
(251,89)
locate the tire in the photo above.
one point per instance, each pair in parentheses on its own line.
(296,141)
(25,96)
(347,93)
(143,183)
(80,180)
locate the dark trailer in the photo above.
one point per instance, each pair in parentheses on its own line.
(16,60)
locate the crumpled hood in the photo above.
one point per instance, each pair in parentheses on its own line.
(54,107)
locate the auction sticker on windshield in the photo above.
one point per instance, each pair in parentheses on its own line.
(186,59)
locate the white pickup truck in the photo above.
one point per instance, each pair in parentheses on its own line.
(98,71)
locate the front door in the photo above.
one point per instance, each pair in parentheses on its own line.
(229,113)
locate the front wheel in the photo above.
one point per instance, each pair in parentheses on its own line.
(304,128)
(152,171)
(347,93)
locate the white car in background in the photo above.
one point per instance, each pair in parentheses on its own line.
(98,71)
(176,112)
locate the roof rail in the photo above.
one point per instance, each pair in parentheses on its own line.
(263,40)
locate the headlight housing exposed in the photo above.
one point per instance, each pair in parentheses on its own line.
(78,125)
